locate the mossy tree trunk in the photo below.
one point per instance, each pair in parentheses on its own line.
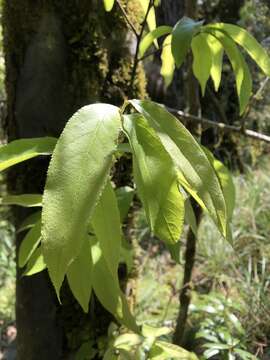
(60,55)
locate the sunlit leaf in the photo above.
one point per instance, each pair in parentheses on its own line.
(217,58)
(77,174)
(156,180)
(26,200)
(151,18)
(163,350)
(29,244)
(190,217)
(108,4)
(79,275)
(148,40)
(202,59)
(197,174)
(182,35)
(24,149)
(167,60)
(35,264)
(151,331)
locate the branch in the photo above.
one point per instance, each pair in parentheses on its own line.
(219,125)
(132,27)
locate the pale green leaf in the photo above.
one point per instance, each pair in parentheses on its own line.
(107,289)
(24,149)
(35,264)
(156,180)
(167,60)
(153,35)
(29,244)
(26,200)
(240,68)
(163,350)
(151,18)
(182,35)
(197,175)
(217,59)
(124,197)
(30,221)
(151,331)
(77,174)
(107,227)
(127,340)
(79,275)
(190,217)
(108,4)
(248,42)
(202,59)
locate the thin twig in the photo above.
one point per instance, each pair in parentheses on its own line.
(129,22)
(219,125)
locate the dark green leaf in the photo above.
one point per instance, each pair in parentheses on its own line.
(124,197)
(30,221)
(29,244)
(190,217)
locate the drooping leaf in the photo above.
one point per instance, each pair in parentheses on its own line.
(24,149)
(35,264)
(124,197)
(248,42)
(108,4)
(107,227)
(240,68)
(107,289)
(174,250)
(197,175)
(163,350)
(202,59)
(153,35)
(30,221)
(79,275)
(29,244)
(77,174)
(26,200)
(151,18)
(168,65)
(217,59)
(182,35)
(155,177)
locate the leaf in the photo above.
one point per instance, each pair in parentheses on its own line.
(108,4)
(29,244)
(77,174)
(190,217)
(35,264)
(217,59)
(202,59)
(24,149)
(150,331)
(151,18)
(30,221)
(79,275)
(156,180)
(168,65)
(153,35)
(197,175)
(124,197)
(26,200)
(163,350)
(107,289)
(107,228)
(182,35)
(174,250)
(248,42)
(240,68)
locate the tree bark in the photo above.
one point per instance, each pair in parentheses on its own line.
(60,55)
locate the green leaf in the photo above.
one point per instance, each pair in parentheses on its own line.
(248,42)
(26,200)
(30,221)
(163,350)
(124,197)
(24,149)
(107,227)
(190,217)
(77,174)
(167,60)
(79,275)
(29,244)
(156,179)
(217,59)
(174,250)
(153,35)
(240,68)
(150,331)
(182,35)
(196,174)
(107,289)
(35,264)
(108,4)
(202,59)
(151,18)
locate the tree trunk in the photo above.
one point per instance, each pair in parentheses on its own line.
(60,55)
